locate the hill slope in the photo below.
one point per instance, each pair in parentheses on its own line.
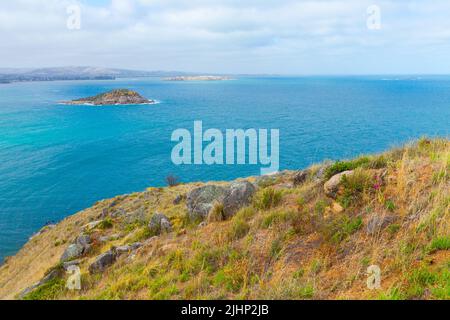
(298,235)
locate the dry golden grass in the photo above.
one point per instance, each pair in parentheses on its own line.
(291,243)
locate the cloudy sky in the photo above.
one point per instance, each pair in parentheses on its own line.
(230,36)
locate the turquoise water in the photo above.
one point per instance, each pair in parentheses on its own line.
(56,160)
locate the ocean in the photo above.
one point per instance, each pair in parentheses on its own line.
(56,160)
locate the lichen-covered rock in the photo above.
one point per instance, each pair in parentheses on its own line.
(92,225)
(103,261)
(159,223)
(331,187)
(127,249)
(77,249)
(201,200)
(238,195)
(138,216)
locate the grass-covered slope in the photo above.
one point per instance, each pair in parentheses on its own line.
(295,240)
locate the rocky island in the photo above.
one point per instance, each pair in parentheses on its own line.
(198,78)
(114,97)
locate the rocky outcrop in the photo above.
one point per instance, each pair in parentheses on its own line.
(103,261)
(238,195)
(115,97)
(201,200)
(159,223)
(127,249)
(331,187)
(77,249)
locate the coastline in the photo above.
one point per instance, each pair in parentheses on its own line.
(172,202)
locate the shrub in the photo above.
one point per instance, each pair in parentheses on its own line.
(172,181)
(342,166)
(106,224)
(268,198)
(353,187)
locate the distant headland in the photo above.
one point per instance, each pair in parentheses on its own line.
(114,97)
(198,78)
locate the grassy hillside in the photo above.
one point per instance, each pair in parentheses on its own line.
(295,240)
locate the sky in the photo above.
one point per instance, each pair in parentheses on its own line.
(302,37)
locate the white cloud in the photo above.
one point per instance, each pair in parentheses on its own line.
(321,36)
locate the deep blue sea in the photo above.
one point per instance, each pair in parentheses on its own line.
(56,160)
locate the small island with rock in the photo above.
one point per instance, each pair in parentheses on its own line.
(114,97)
(198,78)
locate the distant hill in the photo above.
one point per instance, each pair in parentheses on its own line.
(77,73)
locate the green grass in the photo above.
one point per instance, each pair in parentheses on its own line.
(341,228)
(341,166)
(394,293)
(49,291)
(276,217)
(390,205)
(268,198)
(239,229)
(367,162)
(275,248)
(440,243)
(106,224)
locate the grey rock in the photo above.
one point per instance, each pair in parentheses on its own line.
(319,175)
(84,240)
(378,223)
(92,225)
(72,252)
(265,181)
(68,264)
(128,248)
(331,187)
(103,261)
(201,200)
(118,213)
(109,238)
(159,223)
(136,216)
(77,249)
(238,195)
